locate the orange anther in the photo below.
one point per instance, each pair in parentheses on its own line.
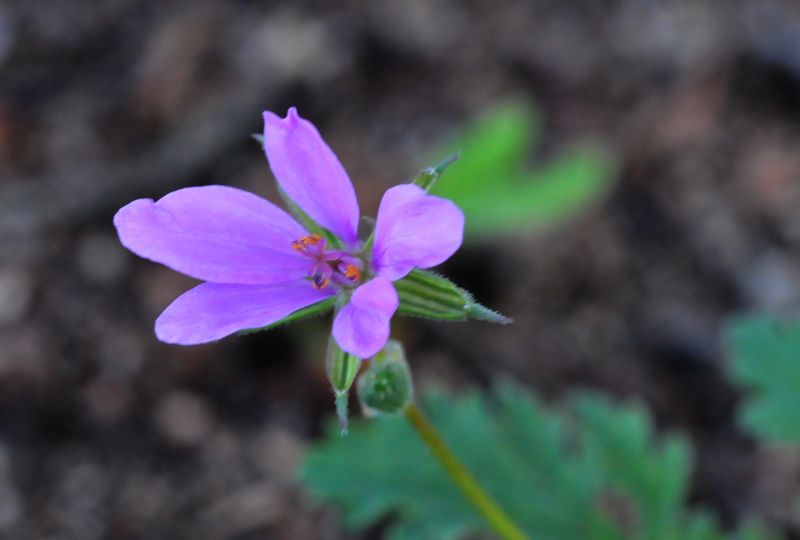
(320,282)
(352,272)
(302,243)
(311,240)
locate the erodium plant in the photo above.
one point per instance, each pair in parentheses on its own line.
(261,266)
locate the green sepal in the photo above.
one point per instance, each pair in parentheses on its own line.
(428,295)
(342,368)
(342,403)
(258,137)
(304,313)
(427,178)
(386,386)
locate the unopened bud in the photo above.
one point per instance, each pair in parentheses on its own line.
(386,386)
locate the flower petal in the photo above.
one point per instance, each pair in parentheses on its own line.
(212,311)
(215,233)
(362,326)
(310,173)
(414,229)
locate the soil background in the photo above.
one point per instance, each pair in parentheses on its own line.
(105,433)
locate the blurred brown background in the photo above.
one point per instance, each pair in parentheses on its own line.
(107,434)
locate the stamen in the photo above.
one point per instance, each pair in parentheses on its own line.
(352,272)
(302,244)
(320,281)
(339,267)
(321,276)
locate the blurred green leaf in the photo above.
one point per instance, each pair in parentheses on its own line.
(499,195)
(597,473)
(617,441)
(765,358)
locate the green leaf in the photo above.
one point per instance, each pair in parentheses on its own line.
(426,294)
(554,473)
(492,148)
(653,478)
(499,194)
(765,359)
(313,310)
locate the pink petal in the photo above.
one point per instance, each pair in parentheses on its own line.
(214,233)
(362,326)
(414,229)
(212,311)
(310,173)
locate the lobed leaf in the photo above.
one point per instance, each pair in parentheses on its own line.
(765,358)
(552,472)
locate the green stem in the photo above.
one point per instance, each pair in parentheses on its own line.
(497,518)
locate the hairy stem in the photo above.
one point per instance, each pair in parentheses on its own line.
(497,518)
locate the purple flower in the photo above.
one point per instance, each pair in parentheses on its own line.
(260,265)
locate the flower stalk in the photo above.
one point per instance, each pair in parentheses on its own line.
(482,501)
(387,388)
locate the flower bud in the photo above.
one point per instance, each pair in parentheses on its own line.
(386,386)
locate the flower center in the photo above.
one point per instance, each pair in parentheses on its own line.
(339,267)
